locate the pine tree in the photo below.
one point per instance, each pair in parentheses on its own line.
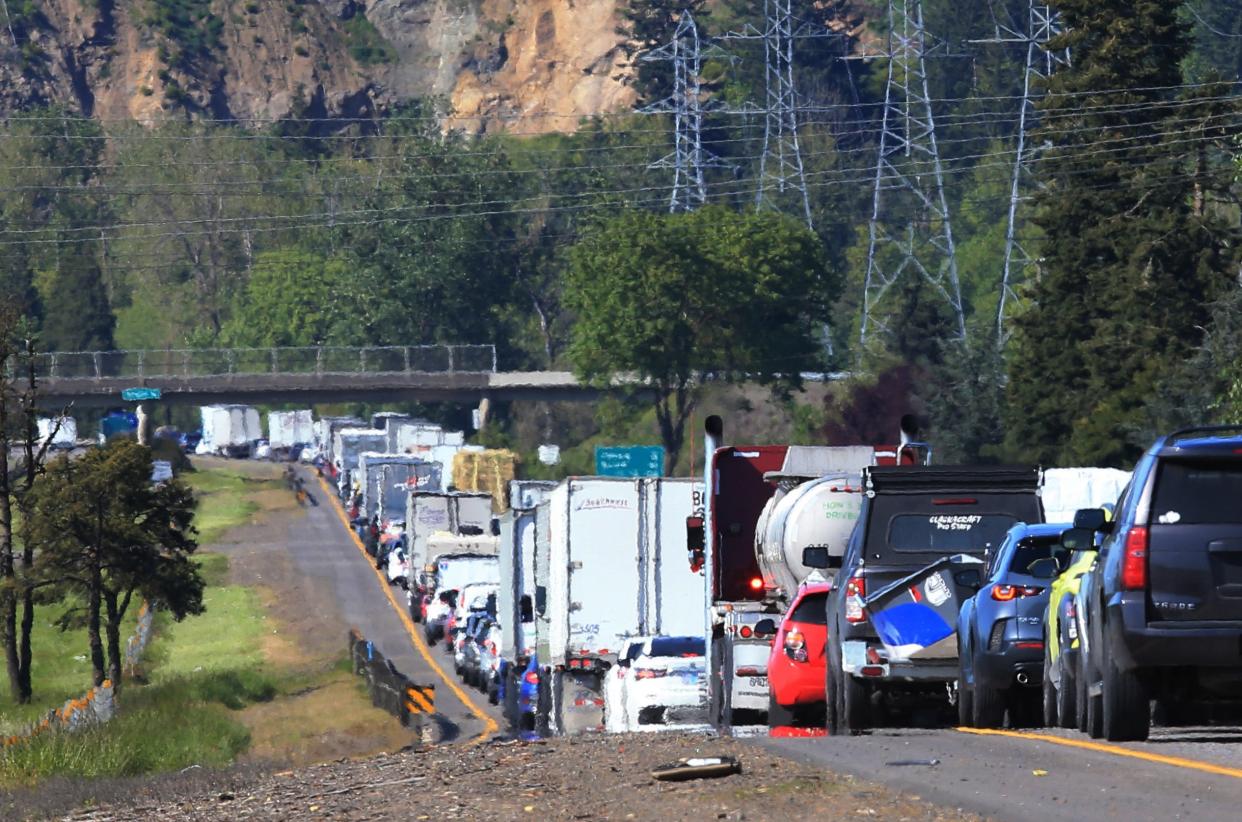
(1132,254)
(76,313)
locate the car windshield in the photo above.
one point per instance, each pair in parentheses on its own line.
(1033,549)
(811,610)
(948,533)
(1190,493)
(677,646)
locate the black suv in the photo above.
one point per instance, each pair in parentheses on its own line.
(1160,613)
(914,555)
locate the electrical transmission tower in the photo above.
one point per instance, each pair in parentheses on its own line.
(685,104)
(780,166)
(909,181)
(1042,24)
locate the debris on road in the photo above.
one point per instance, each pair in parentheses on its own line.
(699,767)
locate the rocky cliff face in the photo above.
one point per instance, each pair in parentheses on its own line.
(528,65)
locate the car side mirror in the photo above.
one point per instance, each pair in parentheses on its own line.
(970,578)
(765,627)
(1044,568)
(817,556)
(1095,519)
(1079,539)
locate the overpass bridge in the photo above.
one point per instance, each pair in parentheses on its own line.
(309,376)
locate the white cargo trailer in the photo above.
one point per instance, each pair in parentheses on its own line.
(610,563)
(347,445)
(325,429)
(387,479)
(62,431)
(1068,489)
(438,522)
(286,429)
(229,430)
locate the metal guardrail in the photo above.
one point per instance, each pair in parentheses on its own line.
(391,690)
(224,362)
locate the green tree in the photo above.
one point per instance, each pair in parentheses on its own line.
(107,534)
(294,297)
(1133,253)
(76,312)
(648,25)
(711,294)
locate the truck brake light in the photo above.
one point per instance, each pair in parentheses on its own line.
(855,590)
(1134,563)
(756,583)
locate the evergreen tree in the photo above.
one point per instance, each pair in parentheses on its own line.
(76,313)
(1132,252)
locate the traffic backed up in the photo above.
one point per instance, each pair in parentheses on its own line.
(914,556)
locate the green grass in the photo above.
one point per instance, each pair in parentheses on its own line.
(226,637)
(223,501)
(366,44)
(60,667)
(200,670)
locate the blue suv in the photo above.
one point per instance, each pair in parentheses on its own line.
(1001,629)
(1160,613)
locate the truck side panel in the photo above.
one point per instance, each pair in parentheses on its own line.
(675,595)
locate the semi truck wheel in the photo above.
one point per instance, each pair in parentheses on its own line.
(965,698)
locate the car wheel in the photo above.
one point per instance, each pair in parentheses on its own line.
(1049,698)
(855,704)
(779,716)
(493,694)
(1092,708)
(989,705)
(1126,713)
(1067,699)
(965,698)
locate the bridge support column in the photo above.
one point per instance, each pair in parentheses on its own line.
(481,413)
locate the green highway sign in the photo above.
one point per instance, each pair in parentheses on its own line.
(140,394)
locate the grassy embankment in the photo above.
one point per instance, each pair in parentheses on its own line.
(210,692)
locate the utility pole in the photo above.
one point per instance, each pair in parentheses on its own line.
(686,105)
(1042,24)
(909,181)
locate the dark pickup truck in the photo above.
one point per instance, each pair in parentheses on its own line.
(914,555)
(1160,613)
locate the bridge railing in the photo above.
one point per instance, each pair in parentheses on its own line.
(222,362)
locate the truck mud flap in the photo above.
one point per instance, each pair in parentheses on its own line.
(915,617)
(579,703)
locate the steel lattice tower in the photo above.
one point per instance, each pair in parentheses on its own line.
(780,167)
(908,170)
(1042,24)
(685,104)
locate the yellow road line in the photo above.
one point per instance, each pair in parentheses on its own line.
(1115,750)
(419,643)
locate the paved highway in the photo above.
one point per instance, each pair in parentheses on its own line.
(322,546)
(1045,777)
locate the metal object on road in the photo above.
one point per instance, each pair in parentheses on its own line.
(699,767)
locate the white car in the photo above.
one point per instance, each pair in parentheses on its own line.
(398,567)
(666,684)
(615,720)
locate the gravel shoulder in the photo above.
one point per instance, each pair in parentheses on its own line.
(606,777)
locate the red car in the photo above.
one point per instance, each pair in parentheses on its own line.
(796,666)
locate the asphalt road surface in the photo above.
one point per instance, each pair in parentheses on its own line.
(1044,777)
(323,546)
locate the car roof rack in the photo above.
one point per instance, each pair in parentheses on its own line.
(1202,430)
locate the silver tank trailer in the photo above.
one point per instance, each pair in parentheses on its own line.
(821,511)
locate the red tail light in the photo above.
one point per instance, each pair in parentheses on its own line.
(756,583)
(1134,563)
(855,590)
(1008,593)
(795,646)
(746,632)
